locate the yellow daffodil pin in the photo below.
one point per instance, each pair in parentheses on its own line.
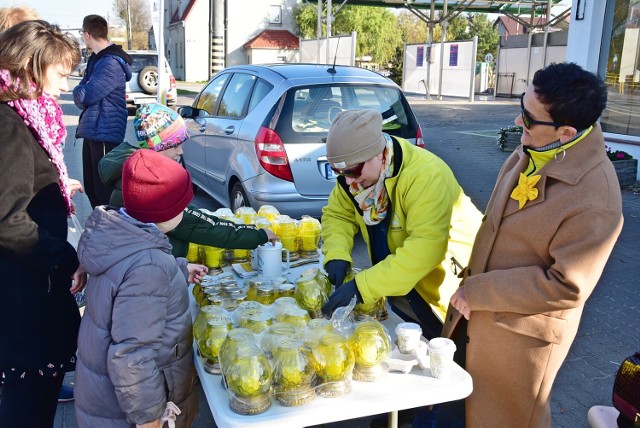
(525,190)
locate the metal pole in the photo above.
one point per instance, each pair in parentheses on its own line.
(546,35)
(329,19)
(128,26)
(162,91)
(217,36)
(430,49)
(472,86)
(319,32)
(444,25)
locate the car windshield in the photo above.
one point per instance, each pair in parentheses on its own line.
(142,61)
(310,110)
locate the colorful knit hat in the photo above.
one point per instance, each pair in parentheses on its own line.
(155,188)
(158,127)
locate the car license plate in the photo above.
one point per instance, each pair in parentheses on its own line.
(328,172)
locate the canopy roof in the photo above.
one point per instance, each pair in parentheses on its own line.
(512,8)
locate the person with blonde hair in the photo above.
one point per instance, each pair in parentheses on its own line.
(12,15)
(40,271)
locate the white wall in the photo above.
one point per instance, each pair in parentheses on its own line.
(196,43)
(514,60)
(341,49)
(270,56)
(585,35)
(456,80)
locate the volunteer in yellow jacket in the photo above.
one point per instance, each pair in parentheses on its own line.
(400,197)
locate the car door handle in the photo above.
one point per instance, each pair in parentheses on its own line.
(202,123)
(229,130)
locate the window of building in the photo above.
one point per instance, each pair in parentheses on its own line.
(275,14)
(621,51)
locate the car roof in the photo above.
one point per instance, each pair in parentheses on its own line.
(316,72)
(141,52)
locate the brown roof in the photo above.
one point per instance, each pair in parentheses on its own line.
(176,15)
(513,27)
(274,39)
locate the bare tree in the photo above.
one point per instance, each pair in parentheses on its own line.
(137,19)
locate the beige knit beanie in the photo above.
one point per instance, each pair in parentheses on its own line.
(355,136)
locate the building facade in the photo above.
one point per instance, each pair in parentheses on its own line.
(604,37)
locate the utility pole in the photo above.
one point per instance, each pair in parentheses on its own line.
(128,26)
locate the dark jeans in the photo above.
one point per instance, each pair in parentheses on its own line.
(430,324)
(92,151)
(30,402)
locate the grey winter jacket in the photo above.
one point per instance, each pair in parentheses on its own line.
(135,342)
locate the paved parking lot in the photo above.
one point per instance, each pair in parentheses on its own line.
(463,134)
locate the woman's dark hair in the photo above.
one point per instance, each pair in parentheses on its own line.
(27,50)
(570,94)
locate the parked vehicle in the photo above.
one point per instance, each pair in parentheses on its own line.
(143,86)
(258,132)
(80,70)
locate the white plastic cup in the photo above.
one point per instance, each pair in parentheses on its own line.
(441,352)
(408,335)
(269,260)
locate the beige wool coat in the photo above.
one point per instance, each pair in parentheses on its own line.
(530,273)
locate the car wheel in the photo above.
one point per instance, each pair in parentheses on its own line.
(238,198)
(148,80)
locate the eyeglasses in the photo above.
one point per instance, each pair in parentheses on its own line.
(527,121)
(81,32)
(353,172)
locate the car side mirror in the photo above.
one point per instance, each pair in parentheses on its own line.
(188,112)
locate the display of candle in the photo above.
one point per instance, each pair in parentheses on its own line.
(333,361)
(193,253)
(249,379)
(269,212)
(209,346)
(246,214)
(288,234)
(292,373)
(235,339)
(309,235)
(213,257)
(311,293)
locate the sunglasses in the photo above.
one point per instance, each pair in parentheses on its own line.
(528,122)
(353,172)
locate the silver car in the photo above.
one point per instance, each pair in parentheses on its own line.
(258,132)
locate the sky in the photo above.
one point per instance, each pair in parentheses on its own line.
(67,13)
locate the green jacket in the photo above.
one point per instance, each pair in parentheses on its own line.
(195,226)
(423,193)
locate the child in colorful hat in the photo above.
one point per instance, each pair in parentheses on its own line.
(161,129)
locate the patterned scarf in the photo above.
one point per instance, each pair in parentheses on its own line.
(43,117)
(373,200)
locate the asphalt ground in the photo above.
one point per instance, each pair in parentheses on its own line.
(463,134)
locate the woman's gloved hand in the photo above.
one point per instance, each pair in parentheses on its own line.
(336,271)
(341,297)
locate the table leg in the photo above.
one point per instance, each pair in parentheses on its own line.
(393,419)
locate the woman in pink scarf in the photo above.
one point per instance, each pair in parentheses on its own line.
(39,269)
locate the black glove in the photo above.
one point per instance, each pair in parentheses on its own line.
(341,297)
(336,271)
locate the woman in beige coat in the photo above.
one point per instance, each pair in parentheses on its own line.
(550,225)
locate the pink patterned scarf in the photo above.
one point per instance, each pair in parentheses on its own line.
(43,117)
